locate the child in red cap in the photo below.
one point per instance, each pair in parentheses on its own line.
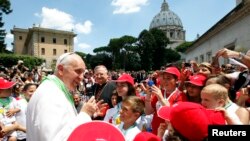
(166,94)
(194,87)
(8,107)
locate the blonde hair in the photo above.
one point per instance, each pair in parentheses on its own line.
(217,91)
(137,104)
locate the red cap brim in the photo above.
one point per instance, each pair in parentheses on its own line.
(164,112)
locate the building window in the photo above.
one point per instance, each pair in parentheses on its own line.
(42,39)
(201,58)
(209,57)
(171,34)
(196,59)
(65,51)
(54,40)
(20,37)
(65,41)
(54,51)
(43,51)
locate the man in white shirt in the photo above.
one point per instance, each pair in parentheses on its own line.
(51,114)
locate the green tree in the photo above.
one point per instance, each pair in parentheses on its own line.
(104,49)
(183,47)
(101,59)
(145,48)
(5,8)
(159,53)
(88,61)
(118,49)
(83,55)
(172,56)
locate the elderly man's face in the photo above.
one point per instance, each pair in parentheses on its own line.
(101,75)
(77,99)
(72,74)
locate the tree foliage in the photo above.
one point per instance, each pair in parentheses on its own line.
(146,44)
(83,55)
(148,52)
(8,60)
(183,47)
(5,8)
(161,41)
(101,59)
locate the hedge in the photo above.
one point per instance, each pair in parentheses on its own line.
(8,60)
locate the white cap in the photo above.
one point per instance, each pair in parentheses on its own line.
(20,61)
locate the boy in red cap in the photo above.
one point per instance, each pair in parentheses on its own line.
(8,107)
(166,94)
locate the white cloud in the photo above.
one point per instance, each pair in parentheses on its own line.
(84,46)
(127,6)
(75,40)
(54,18)
(9,36)
(9,48)
(37,15)
(84,28)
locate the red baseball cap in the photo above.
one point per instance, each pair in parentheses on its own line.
(189,115)
(173,70)
(96,131)
(5,84)
(126,78)
(146,136)
(197,79)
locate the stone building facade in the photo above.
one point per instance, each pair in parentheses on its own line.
(45,43)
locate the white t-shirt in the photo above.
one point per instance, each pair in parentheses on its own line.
(21,117)
(130,133)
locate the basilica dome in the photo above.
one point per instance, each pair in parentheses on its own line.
(165,18)
(168,22)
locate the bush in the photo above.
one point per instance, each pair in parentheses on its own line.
(8,60)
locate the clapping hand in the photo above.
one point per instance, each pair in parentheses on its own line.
(92,106)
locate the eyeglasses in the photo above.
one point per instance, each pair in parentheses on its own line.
(64,56)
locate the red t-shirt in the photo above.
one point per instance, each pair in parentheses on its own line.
(176,96)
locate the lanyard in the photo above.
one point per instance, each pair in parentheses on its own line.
(61,86)
(5,101)
(228,105)
(116,116)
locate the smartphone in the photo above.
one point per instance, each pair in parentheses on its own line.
(150,83)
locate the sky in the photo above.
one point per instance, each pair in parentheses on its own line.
(97,21)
